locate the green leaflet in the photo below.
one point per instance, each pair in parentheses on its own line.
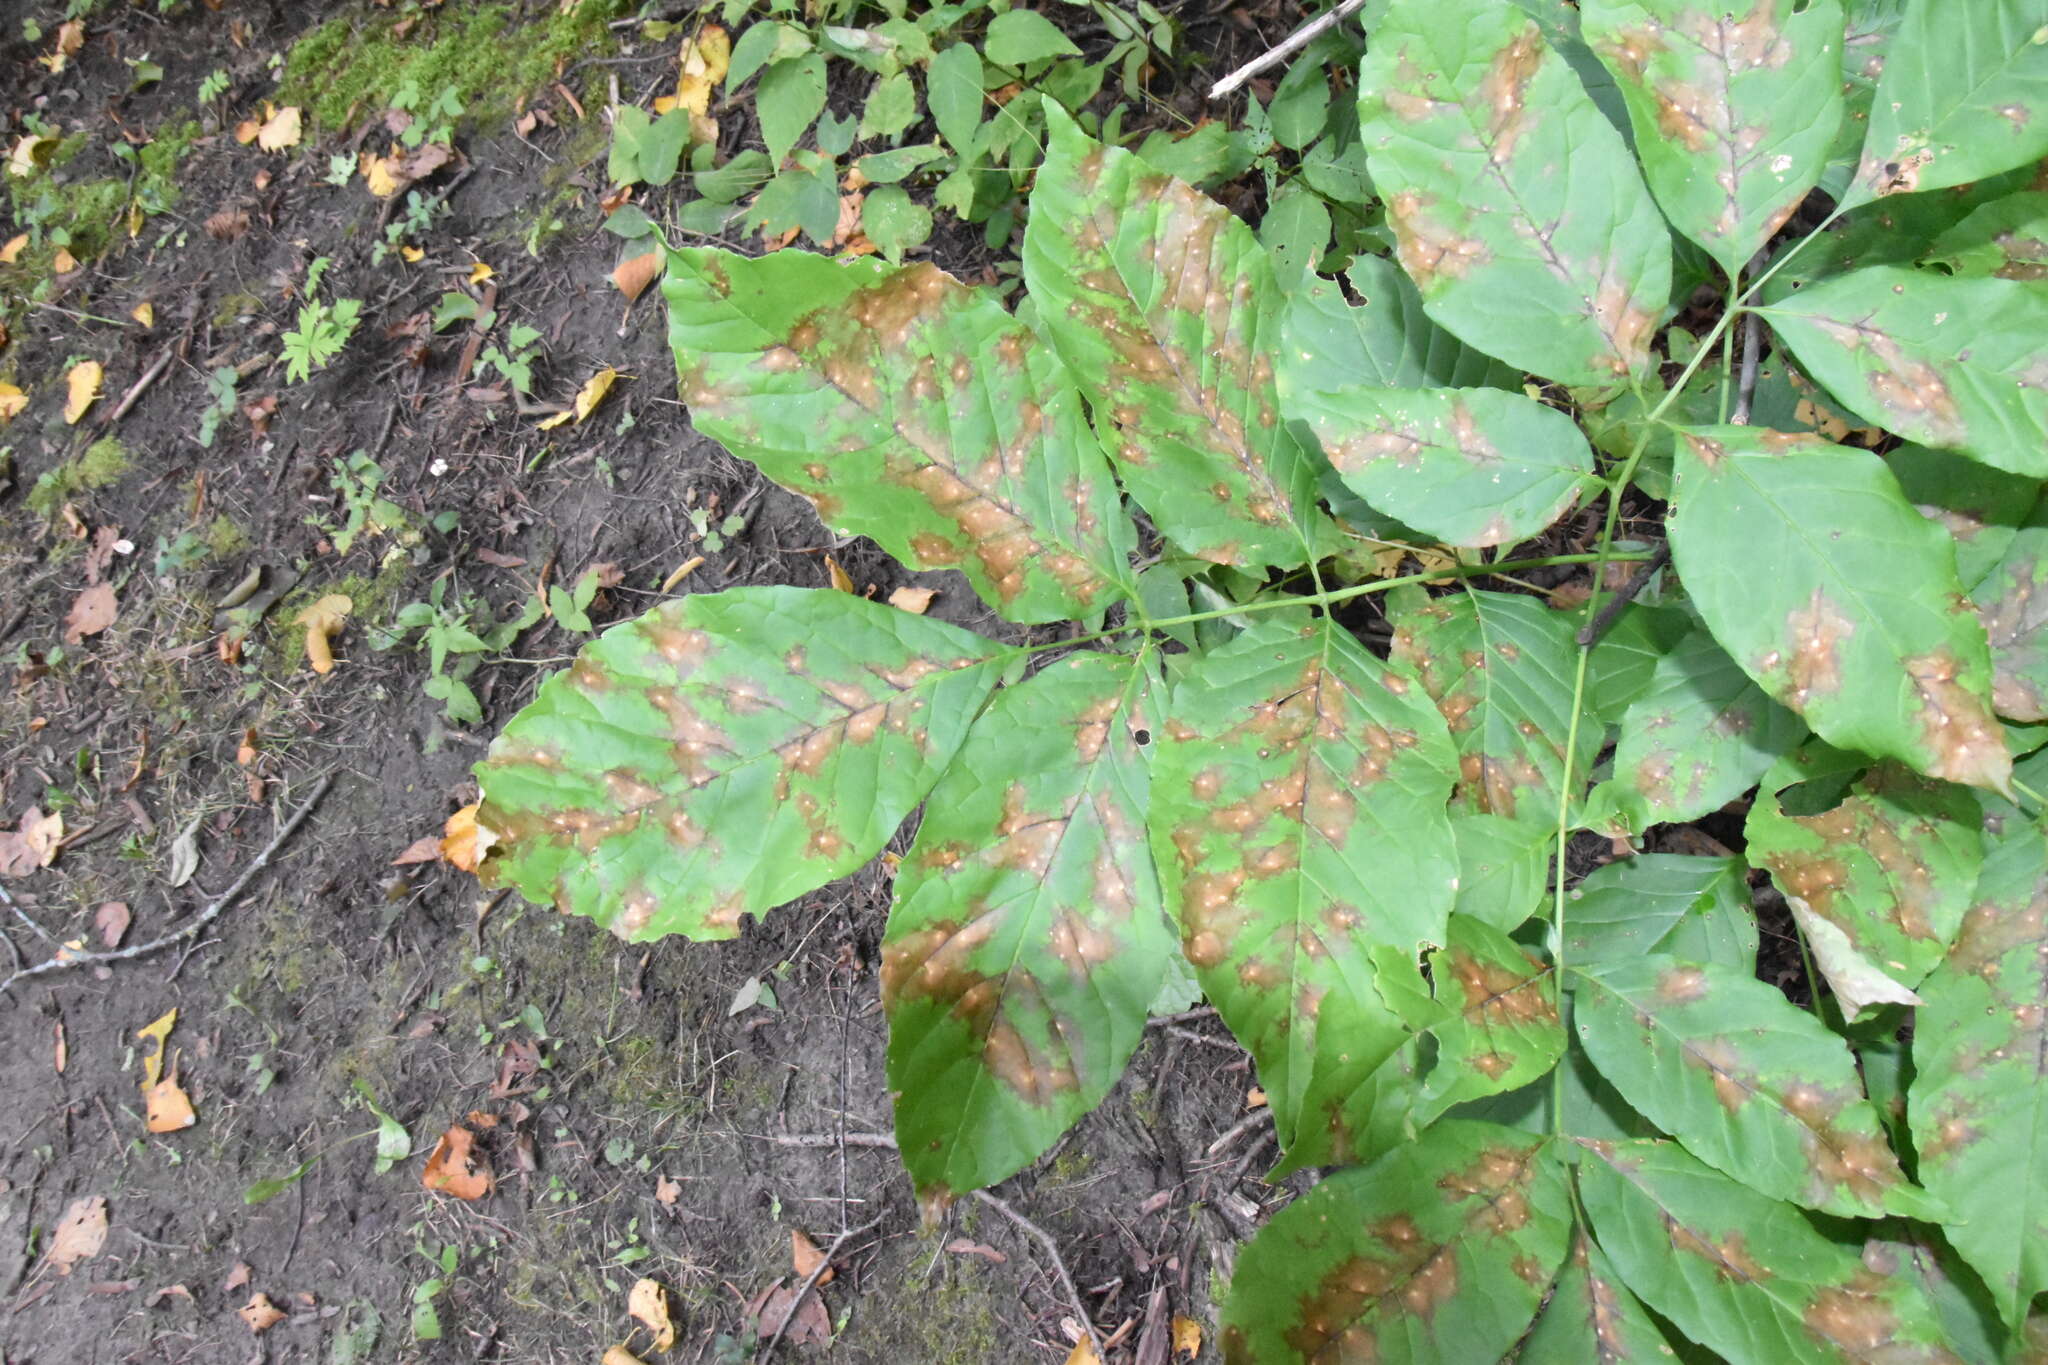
(1624,662)
(1701,735)
(1474,467)
(910,408)
(1734,112)
(2007,237)
(1503,866)
(1964,95)
(1298,822)
(1027,936)
(1438,1252)
(1817,576)
(1982,507)
(1498,1027)
(2012,601)
(1889,868)
(1742,1274)
(1469,116)
(1165,301)
(1979,1098)
(1748,1082)
(1938,359)
(1592,1319)
(1694,909)
(1872,27)
(723,754)
(1499,667)
(1328,344)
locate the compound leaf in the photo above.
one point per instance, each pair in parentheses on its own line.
(1027,936)
(2012,601)
(1474,467)
(1500,1027)
(725,753)
(1889,869)
(1734,113)
(1299,826)
(1744,1275)
(1824,584)
(1438,1251)
(1591,1318)
(1166,302)
(1979,1098)
(1328,344)
(1750,1083)
(1694,909)
(1943,360)
(1500,668)
(1470,119)
(1701,735)
(910,408)
(1964,95)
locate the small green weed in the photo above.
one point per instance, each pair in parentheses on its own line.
(324,328)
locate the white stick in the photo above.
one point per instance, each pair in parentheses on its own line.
(1295,42)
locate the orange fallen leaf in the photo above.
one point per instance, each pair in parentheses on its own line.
(92,611)
(11,253)
(112,920)
(260,1313)
(463,844)
(667,1191)
(1187,1337)
(805,1256)
(1255,1098)
(280,130)
(83,386)
(913,600)
(1083,1354)
(322,620)
(79,1234)
(647,1302)
(453,1167)
(71,37)
(632,277)
(63,263)
(167,1108)
(425,849)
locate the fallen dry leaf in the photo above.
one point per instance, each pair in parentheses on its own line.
(706,58)
(480,272)
(79,1234)
(83,386)
(667,1191)
(71,37)
(11,253)
(840,579)
(647,1302)
(619,1355)
(322,620)
(260,1313)
(462,844)
(157,1296)
(63,263)
(805,1256)
(913,600)
(808,1323)
(1083,1354)
(593,391)
(632,277)
(30,154)
(280,130)
(227,225)
(1187,1337)
(425,849)
(961,1246)
(454,1168)
(153,1060)
(92,611)
(32,843)
(112,920)
(144,313)
(682,571)
(167,1108)
(12,401)
(238,1278)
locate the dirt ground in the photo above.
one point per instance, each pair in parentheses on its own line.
(637,1123)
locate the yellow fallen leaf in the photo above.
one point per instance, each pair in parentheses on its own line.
(916,601)
(593,391)
(143,313)
(1083,1354)
(11,253)
(321,621)
(153,1061)
(1187,1337)
(63,263)
(280,130)
(550,423)
(705,60)
(12,401)
(413,255)
(619,1355)
(682,570)
(840,579)
(380,173)
(71,37)
(84,386)
(480,272)
(42,835)
(647,1302)
(30,154)
(633,276)
(167,1106)
(135,220)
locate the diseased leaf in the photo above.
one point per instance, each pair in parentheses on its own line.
(909,408)
(1329,344)
(1920,1258)
(1982,508)
(1499,667)
(1474,467)
(1503,866)
(1500,1027)
(1702,735)
(1439,1251)
(1741,1273)
(1165,301)
(1027,937)
(1469,116)
(1964,95)
(1872,27)
(1978,1104)
(1748,1082)
(1591,1318)
(1823,583)
(1949,362)
(1298,822)
(1889,868)
(1694,909)
(1734,110)
(2011,599)
(2007,237)
(725,753)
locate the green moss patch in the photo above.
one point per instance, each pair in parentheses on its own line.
(102,463)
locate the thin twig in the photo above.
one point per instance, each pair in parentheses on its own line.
(198,921)
(136,390)
(1294,42)
(1752,348)
(881,1140)
(44,934)
(811,1281)
(1589,634)
(1059,1265)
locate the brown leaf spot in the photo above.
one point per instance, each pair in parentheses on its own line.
(1813,664)
(1505,90)
(1682,985)
(1730,1258)
(1858,1322)
(1427,250)
(935,963)
(1966,742)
